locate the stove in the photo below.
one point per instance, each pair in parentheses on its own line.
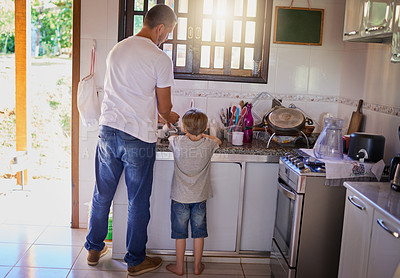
(304,164)
(308,222)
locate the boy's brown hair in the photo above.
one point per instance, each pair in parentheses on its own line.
(195,121)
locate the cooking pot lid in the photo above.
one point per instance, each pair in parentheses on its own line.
(286,118)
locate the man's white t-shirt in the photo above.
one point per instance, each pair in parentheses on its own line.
(135,67)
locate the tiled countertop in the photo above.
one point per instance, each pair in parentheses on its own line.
(379,195)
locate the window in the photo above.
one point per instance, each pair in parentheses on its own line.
(221,40)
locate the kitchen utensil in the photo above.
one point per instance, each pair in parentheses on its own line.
(394,175)
(366,146)
(356,119)
(329,144)
(285,121)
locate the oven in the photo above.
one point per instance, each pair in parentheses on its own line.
(287,224)
(308,223)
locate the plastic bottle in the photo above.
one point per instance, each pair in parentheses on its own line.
(213,128)
(247,122)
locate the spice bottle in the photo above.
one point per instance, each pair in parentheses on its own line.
(248,122)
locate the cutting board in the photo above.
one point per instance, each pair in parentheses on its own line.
(356,119)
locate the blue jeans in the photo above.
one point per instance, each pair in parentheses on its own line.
(117,150)
(181,213)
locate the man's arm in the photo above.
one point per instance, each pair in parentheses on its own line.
(164,105)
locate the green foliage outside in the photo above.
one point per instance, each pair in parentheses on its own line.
(51,24)
(49,89)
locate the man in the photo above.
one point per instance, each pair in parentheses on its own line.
(137,83)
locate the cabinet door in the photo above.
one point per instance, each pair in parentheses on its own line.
(222,208)
(396,35)
(385,247)
(355,237)
(353,19)
(259,206)
(379,17)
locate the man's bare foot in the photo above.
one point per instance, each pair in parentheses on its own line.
(173,268)
(199,269)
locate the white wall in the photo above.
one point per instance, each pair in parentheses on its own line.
(317,79)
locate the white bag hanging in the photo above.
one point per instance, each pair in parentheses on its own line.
(87,98)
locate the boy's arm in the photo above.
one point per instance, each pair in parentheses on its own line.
(211,137)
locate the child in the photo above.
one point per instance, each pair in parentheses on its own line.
(191,186)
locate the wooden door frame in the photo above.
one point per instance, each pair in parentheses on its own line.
(76,61)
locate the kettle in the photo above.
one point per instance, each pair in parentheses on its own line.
(395,173)
(329,144)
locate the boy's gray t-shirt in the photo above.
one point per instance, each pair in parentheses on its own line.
(192,161)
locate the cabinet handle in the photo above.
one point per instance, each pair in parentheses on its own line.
(351,199)
(375,28)
(382,224)
(351,33)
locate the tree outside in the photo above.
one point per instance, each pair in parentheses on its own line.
(49,90)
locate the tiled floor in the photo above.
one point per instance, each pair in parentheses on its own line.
(36,241)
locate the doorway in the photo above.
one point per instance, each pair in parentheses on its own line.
(44,196)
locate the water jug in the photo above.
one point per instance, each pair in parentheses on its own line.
(329,144)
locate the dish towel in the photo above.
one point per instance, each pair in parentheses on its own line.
(347,169)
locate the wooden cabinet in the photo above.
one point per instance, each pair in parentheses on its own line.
(370,240)
(396,34)
(355,237)
(385,247)
(368,20)
(259,206)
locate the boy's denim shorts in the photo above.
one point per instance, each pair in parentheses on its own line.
(180,215)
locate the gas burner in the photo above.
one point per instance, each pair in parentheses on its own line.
(304,162)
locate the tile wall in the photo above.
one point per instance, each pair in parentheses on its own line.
(318,79)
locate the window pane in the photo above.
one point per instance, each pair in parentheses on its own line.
(206,33)
(238,9)
(170,3)
(152,3)
(139,5)
(235,62)
(220,31)
(237,31)
(171,35)
(181,55)
(248,58)
(219,57)
(205,56)
(183,6)
(137,23)
(221,8)
(250,31)
(207,6)
(251,8)
(182,28)
(167,48)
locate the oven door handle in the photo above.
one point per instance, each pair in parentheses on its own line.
(286,191)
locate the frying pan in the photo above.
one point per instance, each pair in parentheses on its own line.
(284,121)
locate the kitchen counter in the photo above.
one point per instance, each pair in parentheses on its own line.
(256,151)
(380,196)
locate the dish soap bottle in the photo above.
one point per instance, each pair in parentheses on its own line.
(248,122)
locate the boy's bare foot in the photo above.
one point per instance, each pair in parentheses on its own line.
(199,269)
(173,268)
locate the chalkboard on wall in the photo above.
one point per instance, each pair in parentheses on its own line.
(298,26)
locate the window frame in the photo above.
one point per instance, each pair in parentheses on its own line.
(126,25)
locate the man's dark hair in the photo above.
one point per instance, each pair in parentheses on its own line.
(160,14)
